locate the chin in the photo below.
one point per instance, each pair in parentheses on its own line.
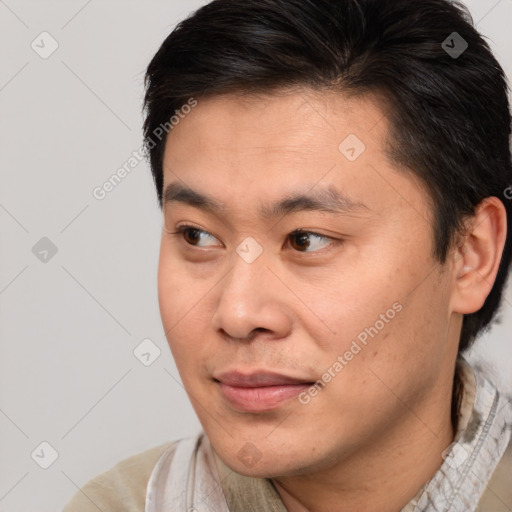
(266,467)
(260,459)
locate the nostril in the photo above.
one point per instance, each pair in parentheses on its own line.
(261,329)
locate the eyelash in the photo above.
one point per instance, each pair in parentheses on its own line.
(183,228)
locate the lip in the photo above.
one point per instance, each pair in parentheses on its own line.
(259,391)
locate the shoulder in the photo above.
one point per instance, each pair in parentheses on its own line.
(498,494)
(120,489)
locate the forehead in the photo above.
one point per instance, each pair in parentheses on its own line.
(288,130)
(282,124)
(247,149)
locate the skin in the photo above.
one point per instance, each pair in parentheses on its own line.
(296,308)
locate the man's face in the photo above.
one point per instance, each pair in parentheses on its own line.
(309,262)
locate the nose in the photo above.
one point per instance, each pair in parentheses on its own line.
(251,301)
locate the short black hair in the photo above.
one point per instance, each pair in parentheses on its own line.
(448,109)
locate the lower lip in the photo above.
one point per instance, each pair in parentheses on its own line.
(260,399)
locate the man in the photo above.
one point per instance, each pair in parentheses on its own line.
(334,193)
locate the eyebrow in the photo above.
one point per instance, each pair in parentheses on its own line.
(327,200)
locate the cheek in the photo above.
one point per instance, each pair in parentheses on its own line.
(185,308)
(169,289)
(350,302)
(175,298)
(178,290)
(406,356)
(379,318)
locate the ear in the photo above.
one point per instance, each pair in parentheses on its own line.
(478,255)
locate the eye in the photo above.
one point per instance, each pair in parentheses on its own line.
(307,241)
(197,237)
(300,240)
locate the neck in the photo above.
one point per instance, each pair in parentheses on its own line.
(386,474)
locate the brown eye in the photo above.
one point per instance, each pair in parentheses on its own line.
(307,241)
(300,241)
(197,237)
(192,235)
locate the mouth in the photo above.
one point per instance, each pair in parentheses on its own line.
(259,391)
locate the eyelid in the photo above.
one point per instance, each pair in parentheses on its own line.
(308,232)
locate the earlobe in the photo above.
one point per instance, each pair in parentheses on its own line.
(478,256)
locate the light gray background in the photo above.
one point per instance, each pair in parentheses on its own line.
(68,326)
